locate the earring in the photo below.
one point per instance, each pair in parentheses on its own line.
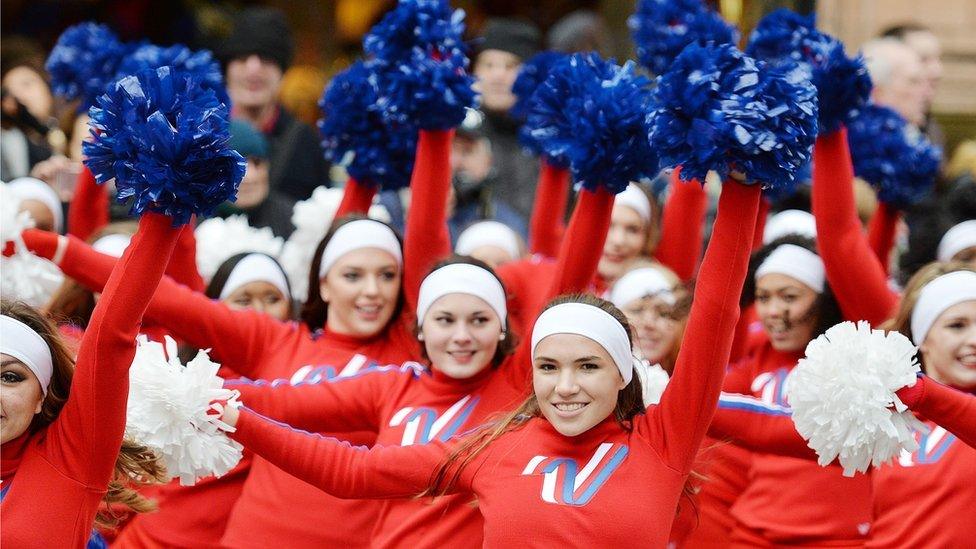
(420,337)
(501,336)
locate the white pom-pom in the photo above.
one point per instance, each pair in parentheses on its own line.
(23,275)
(843,396)
(218,239)
(170,411)
(654,380)
(312,219)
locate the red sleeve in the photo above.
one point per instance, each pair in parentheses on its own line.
(546,226)
(881,233)
(853,271)
(427,239)
(681,419)
(335,405)
(338,468)
(356,198)
(579,254)
(751,423)
(954,410)
(682,227)
(757,235)
(87,433)
(183,265)
(88,210)
(236,337)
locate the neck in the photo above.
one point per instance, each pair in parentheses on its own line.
(258,116)
(10,454)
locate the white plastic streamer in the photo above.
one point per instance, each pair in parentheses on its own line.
(843,396)
(219,239)
(172,410)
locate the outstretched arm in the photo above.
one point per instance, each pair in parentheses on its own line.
(682,226)
(679,422)
(954,410)
(881,233)
(87,434)
(546,226)
(337,467)
(427,239)
(88,210)
(356,198)
(853,271)
(183,265)
(755,425)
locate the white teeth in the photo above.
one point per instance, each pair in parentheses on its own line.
(569,406)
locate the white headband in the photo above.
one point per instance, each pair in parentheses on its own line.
(356,235)
(937,296)
(23,343)
(255,268)
(112,244)
(592,323)
(635,199)
(796,262)
(639,283)
(31,188)
(488,233)
(790,222)
(462,278)
(957,239)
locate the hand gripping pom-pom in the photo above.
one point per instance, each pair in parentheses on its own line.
(843,396)
(593,113)
(355,133)
(199,65)
(23,276)
(718,109)
(662,28)
(530,77)
(892,155)
(169,410)
(164,140)
(219,239)
(843,84)
(83,62)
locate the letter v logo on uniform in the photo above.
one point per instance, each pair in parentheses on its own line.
(564,483)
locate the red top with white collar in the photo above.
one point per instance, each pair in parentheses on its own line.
(54,479)
(582,486)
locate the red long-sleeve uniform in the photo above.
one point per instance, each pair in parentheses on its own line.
(583,487)
(881,233)
(58,476)
(546,223)
(853,271)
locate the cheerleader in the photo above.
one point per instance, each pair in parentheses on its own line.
(586,408)
(62,431)
(492,242)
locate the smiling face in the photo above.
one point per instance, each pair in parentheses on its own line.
(259,296)
(625,242)
(460,333)
(576,382)
(20,399)
(786,308)
(949,349)
(361,289)
(655,326)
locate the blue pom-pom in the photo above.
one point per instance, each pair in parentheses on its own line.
(892,155)
(84,62)
(164,139)
(199,65)
(355,133)
(531,76)
(843,84)
(422,61)
(593,113)
(427,24)
(718,109)
(662,28)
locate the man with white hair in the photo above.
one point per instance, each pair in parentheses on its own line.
(898,76)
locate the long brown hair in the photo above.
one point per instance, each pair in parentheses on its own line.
(135,463)
(629,404)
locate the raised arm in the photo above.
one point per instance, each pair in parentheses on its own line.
(546,226)
(183,265)
(236,337)
(682,225)
(87,434)
(88,210)
(356,198)
(856,276)
(427,239)
(680,421)
(881,233)
(339,468)
(954,410)
(579,254)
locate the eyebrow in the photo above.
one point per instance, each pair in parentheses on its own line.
(586,359)
(10,361)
